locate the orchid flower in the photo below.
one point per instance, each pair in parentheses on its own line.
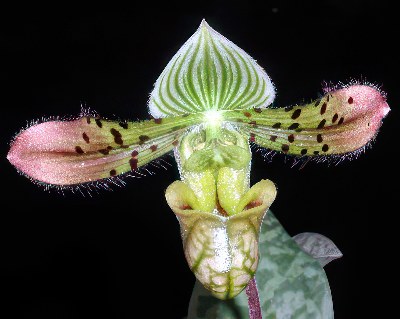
(208,106)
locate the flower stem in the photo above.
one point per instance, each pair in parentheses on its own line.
(253,300)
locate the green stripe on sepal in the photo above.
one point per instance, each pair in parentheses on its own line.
(209,72)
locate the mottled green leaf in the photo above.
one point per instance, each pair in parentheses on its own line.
(292,284)
(319,246)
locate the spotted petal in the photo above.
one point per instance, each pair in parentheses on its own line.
(90,149)
(210,72)
(342,121)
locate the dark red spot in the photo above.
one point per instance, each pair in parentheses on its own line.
(85,137)
(291,138)
(157,121)
(296,114)
(104,151)
(98,123)
(335,117)
(316,152)
(273,138)
(247,114)
(79,150)
(113,172)
(253,204)
(252,137)
(133,162)
(109,147)
(325,148)
(253,123)
(143,139)
(293,126)
(117,136)
(319,138)
(323,108)
(350,100)
(114,132)
(175,143)
(88,120)
(317,102)
(321,124)
(285,148)
(327,98)
(288,108)
(257,110)
(303,151)
(276,125)
(341,121)
(153,148)
(134,153)
(124,125)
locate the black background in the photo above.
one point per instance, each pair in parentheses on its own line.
(75,257)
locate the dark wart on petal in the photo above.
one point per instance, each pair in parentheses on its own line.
(135,153)
(117,136)
(98,123)
(85,137)
(79,150)
(296,114)
(104,151)
(143,138)
(113,172)
(293,126)
(323,108)
(133,163)
(321,124)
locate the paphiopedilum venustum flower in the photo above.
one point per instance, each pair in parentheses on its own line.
(208,104)
(220,217)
